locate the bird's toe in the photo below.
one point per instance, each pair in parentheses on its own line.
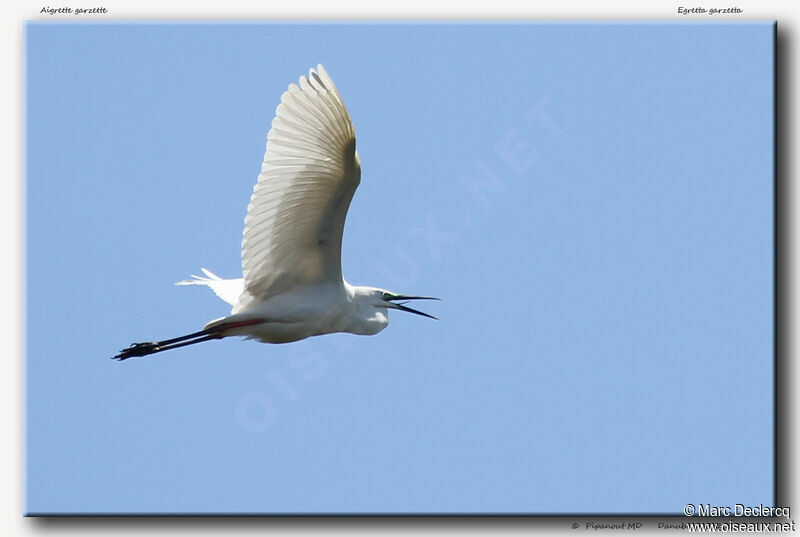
(137,349)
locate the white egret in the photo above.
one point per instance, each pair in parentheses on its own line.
(292,286)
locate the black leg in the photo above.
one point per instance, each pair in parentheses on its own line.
(183,338)
(152,347)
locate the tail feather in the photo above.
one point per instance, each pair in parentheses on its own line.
(227,290)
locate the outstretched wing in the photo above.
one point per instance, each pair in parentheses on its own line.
(294,224)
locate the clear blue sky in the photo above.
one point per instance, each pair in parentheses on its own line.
(593,202)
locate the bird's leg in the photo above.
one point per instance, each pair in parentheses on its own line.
(161,346)
(152,347)
(180,338)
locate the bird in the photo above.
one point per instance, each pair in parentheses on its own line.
(292,286)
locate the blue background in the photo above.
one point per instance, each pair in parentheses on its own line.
(593,202)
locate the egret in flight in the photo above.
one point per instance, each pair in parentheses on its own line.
(292,286)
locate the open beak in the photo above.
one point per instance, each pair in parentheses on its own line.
(402,307)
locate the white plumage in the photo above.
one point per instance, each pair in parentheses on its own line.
(292,285)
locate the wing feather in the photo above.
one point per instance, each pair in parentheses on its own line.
(295,220)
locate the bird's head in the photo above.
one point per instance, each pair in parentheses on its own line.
(386,299)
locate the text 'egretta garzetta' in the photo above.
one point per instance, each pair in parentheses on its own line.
(292,286)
